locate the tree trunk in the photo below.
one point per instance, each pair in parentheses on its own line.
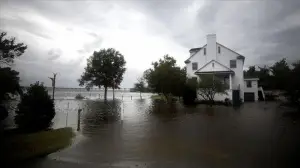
(105,93)
(53,91)
(113,93)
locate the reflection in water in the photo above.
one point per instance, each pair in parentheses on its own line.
(157,134)
(98,113)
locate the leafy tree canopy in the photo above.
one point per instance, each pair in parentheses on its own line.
(9,48)
(36,109)
(11,84)
(166,77)
(104,69)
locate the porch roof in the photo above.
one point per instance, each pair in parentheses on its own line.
(214,67)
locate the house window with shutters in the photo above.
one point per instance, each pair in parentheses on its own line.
(194,66)
(232,63)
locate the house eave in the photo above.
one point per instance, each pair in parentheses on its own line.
(214,72)
(251,79)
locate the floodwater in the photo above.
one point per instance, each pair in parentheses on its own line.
(147,133)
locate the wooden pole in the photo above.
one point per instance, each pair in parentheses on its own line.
(53,84)
(78,119)
(67,119)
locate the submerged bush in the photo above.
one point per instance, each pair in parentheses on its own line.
(189,92)
(79,96)
(36,109)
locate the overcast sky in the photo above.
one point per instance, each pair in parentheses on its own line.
(61,35)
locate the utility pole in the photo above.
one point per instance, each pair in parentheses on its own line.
(53,84)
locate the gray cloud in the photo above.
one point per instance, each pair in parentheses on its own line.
(54,54)
(263,31)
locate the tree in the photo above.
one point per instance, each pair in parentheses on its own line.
(10,84)
(190,91)
(9,78)
(292,90)
(9,49)
(209,86)
(280,71)
(166,77)
(104,68)
(36,109)
(251,72)
(140,86)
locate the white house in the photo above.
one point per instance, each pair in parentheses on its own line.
(215,58)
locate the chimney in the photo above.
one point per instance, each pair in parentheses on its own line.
(211,51)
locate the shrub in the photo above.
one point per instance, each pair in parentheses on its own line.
(36,109)
(189,92)
(79,96)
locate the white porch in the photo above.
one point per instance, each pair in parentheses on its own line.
(221,72)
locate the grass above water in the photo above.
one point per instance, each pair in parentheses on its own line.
(26,146)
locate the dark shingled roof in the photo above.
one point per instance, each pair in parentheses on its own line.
(195,49)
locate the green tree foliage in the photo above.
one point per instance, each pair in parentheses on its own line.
(104,69)
(166,77)
(36,109)
(292,90)
(280,74)
(140,86)
(190,91)
(9,48)
(9,84)
(209,86)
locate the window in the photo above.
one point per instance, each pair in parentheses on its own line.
(194,65)
(249,84)
(232,63)
(213,65)
(204,51)
(219,49)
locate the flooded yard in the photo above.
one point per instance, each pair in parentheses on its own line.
(146,133)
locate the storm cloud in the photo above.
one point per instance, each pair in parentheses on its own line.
(61,35)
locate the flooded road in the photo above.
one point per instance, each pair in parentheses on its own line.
(146,133)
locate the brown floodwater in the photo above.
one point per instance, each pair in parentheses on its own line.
(147,133)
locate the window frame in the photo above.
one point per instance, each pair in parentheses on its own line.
(230,64)
(196,68)
(249,84)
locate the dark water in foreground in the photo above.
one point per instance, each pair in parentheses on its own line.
(144,133)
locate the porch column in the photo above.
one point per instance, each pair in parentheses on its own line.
(230,82)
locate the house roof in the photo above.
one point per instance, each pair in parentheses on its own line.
(198,49)
(186,61)
(232,51)
(216,68)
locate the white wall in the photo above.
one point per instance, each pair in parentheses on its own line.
(253,89)
(200,58)
(223,57)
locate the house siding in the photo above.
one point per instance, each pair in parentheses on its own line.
(252,89)
(224,58)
